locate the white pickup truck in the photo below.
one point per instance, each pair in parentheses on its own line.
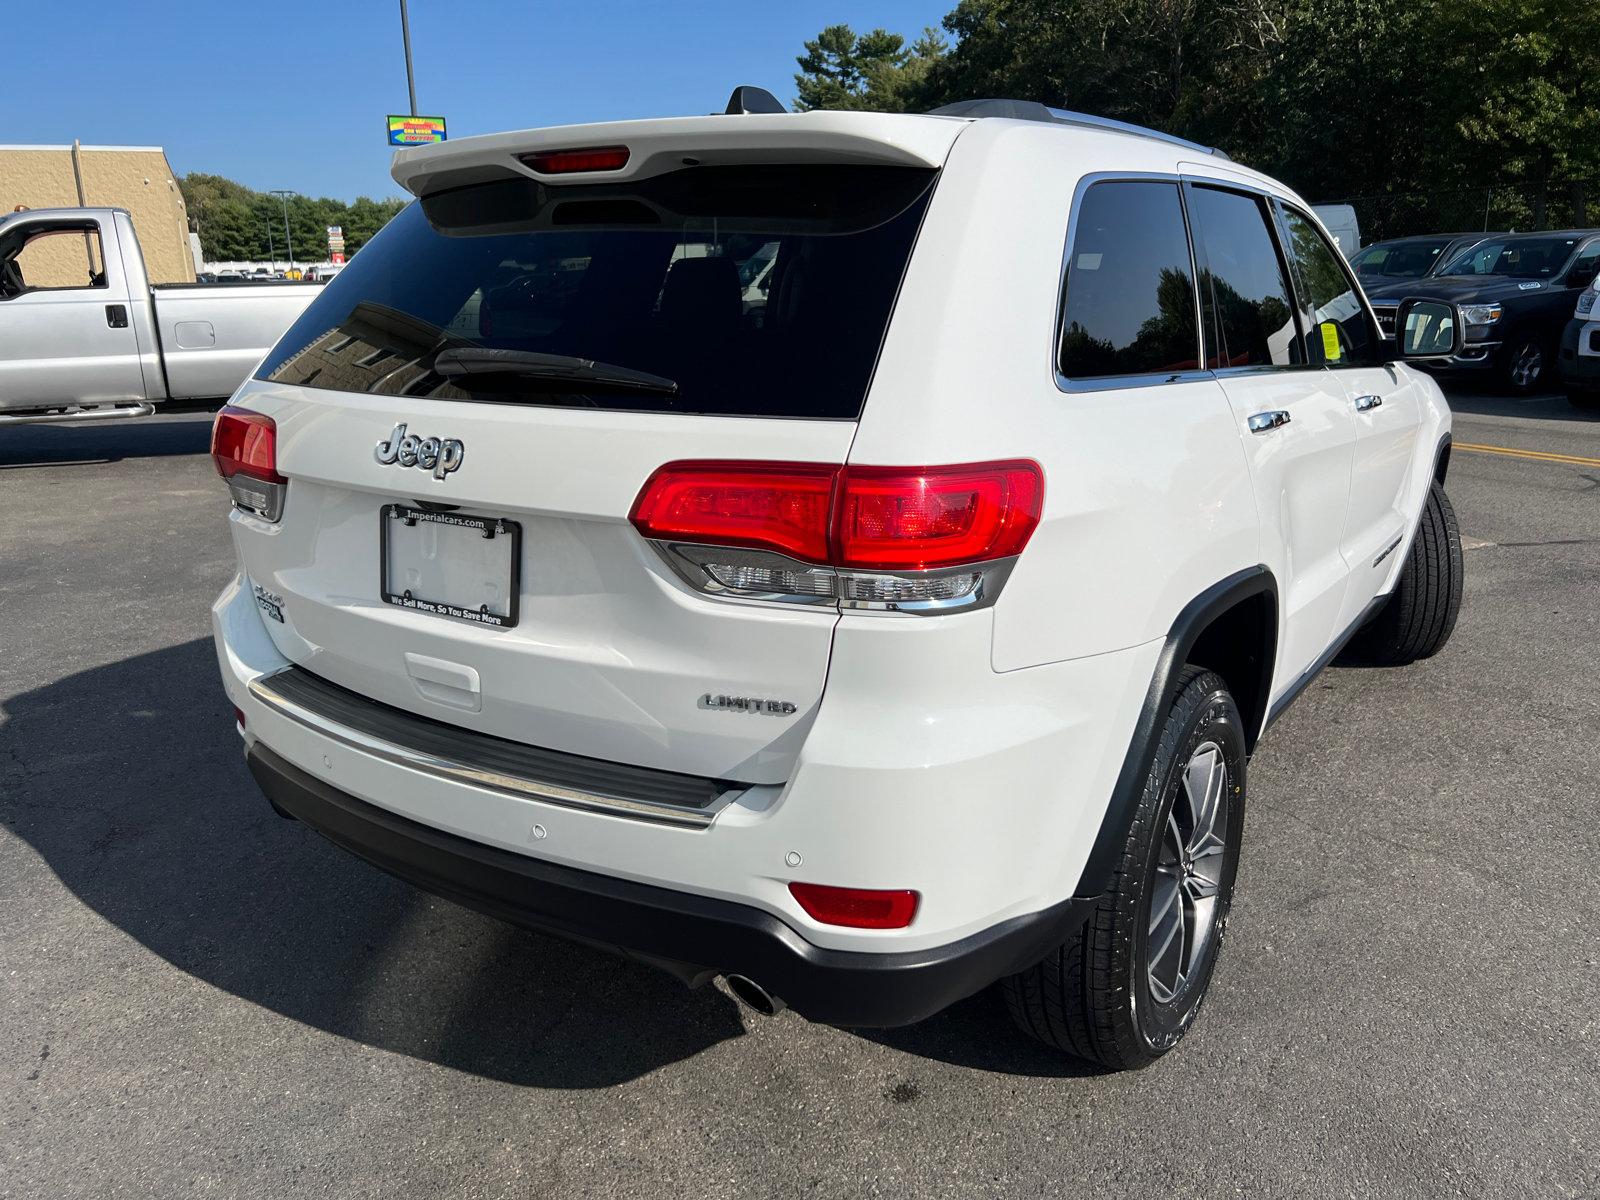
(85,335)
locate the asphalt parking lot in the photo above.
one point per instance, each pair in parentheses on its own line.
(198,998)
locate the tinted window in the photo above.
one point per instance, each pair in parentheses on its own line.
(759,291)
(1338,333)
(1399,260)
(1129,307)
(1244,279)
(1534,258)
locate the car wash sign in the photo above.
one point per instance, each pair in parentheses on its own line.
(335,244)
(415,131)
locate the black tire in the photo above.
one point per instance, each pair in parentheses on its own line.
(1527,361)
(1588,401)
(1421,614)
(1096,996)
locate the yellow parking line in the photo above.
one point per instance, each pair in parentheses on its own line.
(1538,454)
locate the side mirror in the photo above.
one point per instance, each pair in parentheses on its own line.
(1428,329)
(1582,275)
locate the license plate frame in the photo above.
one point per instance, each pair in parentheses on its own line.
(488,527)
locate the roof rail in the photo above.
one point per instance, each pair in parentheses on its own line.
(1032,110)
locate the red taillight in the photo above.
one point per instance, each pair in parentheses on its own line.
(898,519)
(767,506)
(859,908)
(245,443)
(879,518)
(565,162)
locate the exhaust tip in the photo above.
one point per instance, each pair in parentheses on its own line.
(756,996)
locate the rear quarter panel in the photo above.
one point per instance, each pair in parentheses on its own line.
(1147,498)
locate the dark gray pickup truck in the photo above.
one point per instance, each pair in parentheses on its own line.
(1516,293)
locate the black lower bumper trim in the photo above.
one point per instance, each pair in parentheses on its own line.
(693,936)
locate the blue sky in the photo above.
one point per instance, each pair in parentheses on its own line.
(214,84)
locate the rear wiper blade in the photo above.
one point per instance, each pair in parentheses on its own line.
(462,363)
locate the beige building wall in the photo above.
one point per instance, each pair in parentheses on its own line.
(137,178)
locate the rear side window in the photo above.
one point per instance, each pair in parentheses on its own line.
(1336,324)
(742,291)
(1129,304)
(1243,280)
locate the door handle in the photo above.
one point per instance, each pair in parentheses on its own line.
(1368,403)
(1262,422)
(117,316)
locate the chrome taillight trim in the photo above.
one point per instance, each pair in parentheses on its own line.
(705,569)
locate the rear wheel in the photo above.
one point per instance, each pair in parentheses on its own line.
(1125,989)
(1525,362)
(1421,613)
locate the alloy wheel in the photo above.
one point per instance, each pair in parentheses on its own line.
(1188,876)
(1527,364)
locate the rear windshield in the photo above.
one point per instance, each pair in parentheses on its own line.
(741,291)
(1400,260)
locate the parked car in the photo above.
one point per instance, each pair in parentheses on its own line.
(97,339)
(1516,293)
(1580,350)
(1386,268)
(323,272)
(913,638)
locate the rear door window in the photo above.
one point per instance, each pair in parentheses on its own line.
(1243,280)
(746,291)
(1129,303)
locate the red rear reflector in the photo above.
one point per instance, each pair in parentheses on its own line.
(245,443)
(564,162)
(238,715)
(858,908)
(768,506)
(910,519)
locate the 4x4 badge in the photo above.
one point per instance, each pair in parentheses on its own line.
(439,455)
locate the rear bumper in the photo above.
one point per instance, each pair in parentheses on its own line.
(690,935)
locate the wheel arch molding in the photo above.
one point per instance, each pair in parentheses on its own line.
(1230,628)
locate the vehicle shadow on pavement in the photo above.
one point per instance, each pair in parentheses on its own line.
(1480,398)
(129,781)
(104,441)
(978,1033)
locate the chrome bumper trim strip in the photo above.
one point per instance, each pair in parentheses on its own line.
(463,772)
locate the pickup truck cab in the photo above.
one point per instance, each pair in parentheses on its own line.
(1516,294)
(906,633)
(84,334)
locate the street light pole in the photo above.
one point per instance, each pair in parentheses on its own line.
(284,196)
(405,34)
(271,253)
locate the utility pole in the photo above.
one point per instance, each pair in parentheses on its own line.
(284,196)
(271,253)
(405,34)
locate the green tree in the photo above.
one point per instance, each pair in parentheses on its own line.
(233,221)
(874,71)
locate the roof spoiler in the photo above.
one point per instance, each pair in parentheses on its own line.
(1032,110)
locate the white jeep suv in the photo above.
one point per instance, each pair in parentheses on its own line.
(907,630)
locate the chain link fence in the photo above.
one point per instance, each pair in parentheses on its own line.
(1523,207)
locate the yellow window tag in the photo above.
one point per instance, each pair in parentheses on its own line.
(1330,342)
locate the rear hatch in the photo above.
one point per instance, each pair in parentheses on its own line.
(467,413)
